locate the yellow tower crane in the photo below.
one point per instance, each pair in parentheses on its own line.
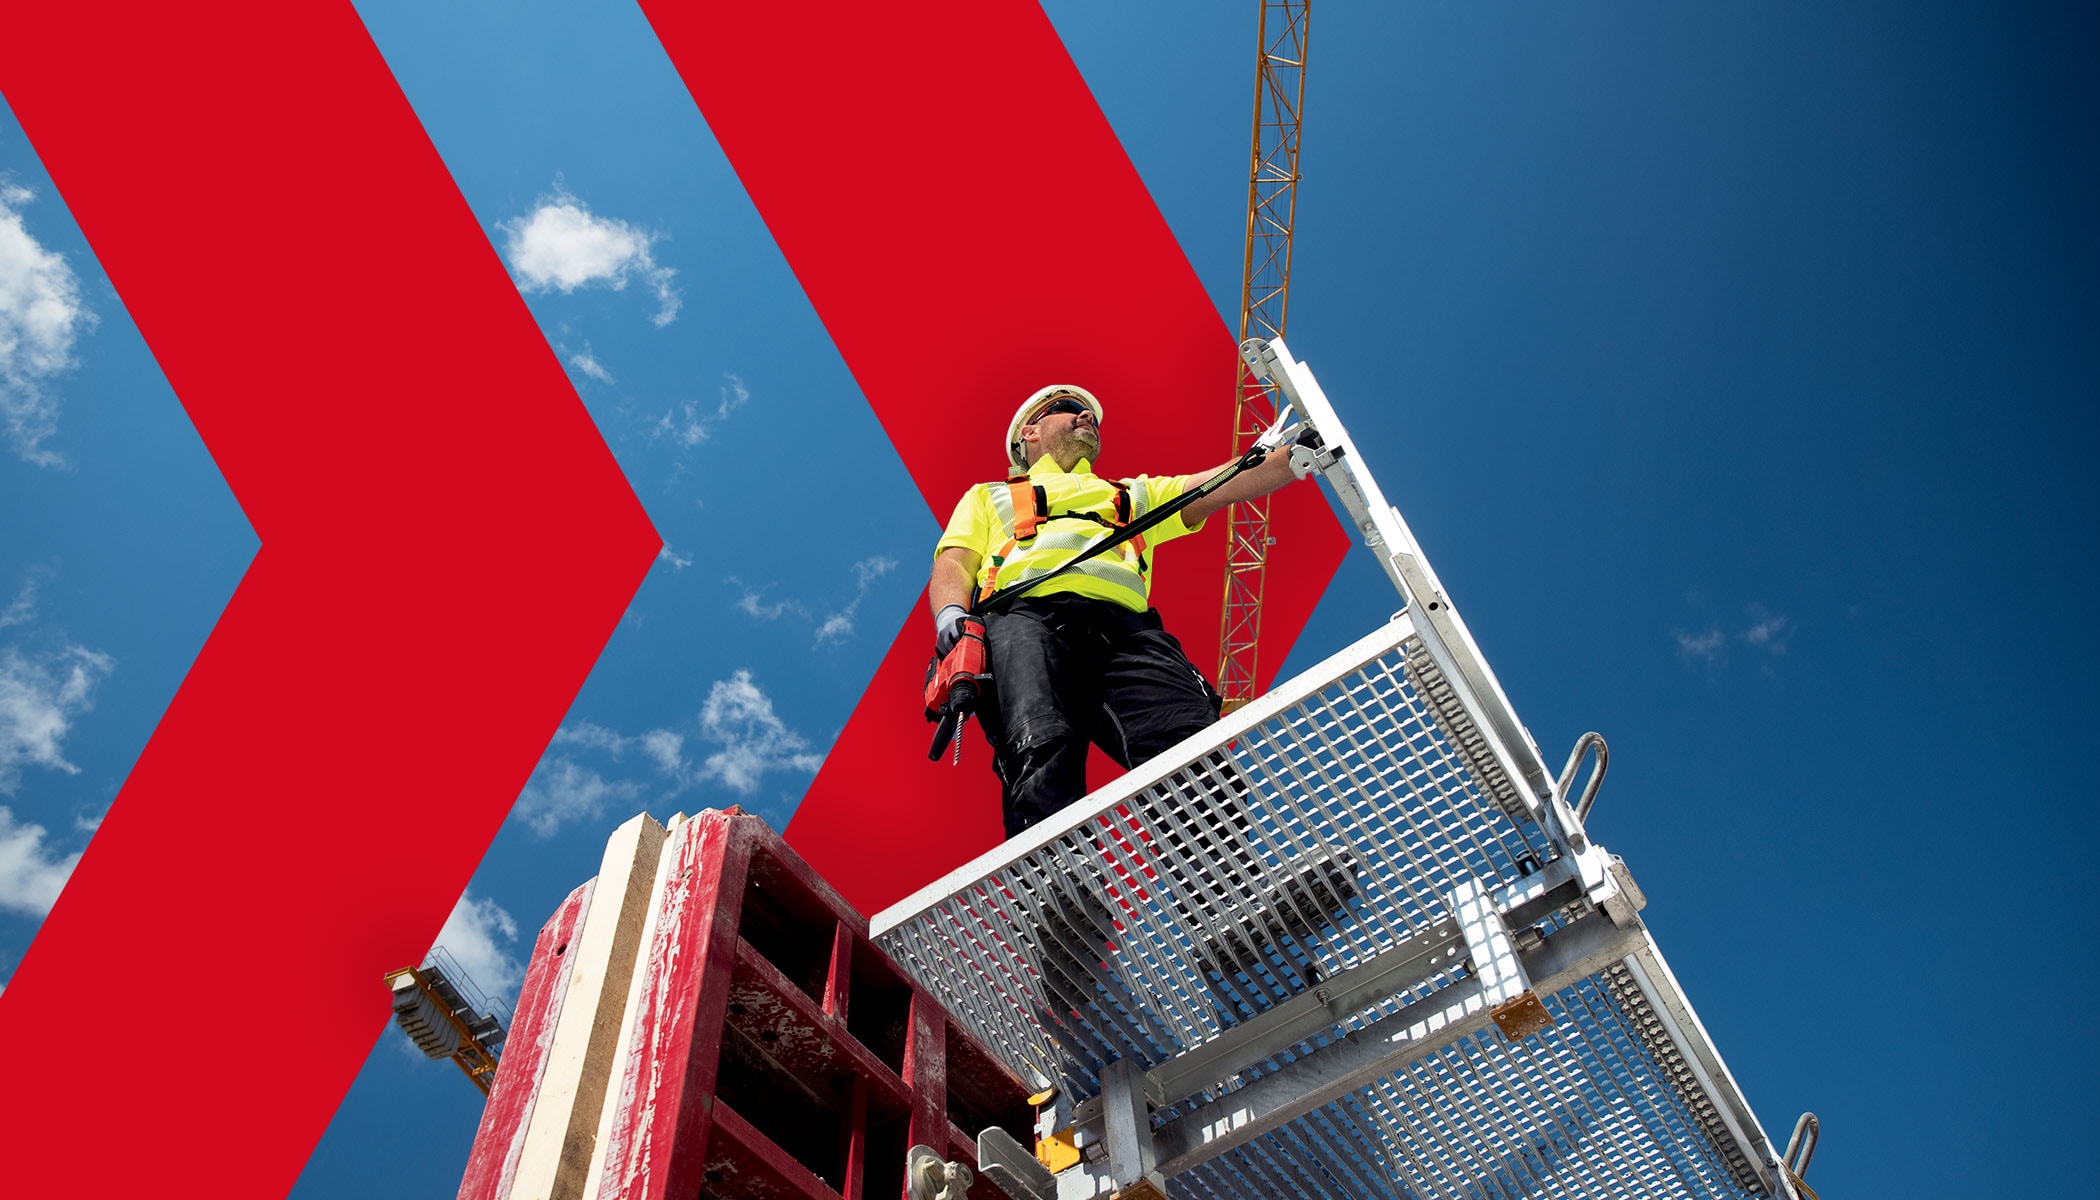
(1265,286)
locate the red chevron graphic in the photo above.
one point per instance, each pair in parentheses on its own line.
(968,228)
(446,545)
(432,501)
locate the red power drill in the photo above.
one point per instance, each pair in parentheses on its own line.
(954,684)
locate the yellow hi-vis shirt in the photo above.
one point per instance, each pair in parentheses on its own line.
(984,522)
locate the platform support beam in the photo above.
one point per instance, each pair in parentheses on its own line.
(1383,1047)
(1133,1161)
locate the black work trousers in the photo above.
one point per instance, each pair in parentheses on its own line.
(1068,671)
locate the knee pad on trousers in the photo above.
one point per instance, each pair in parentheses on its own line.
(1041,779)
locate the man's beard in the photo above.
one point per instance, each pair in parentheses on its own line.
(1087,440)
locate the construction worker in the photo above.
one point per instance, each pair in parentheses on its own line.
(1082,658)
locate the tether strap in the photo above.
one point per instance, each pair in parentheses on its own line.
(998,599)
(1122,519)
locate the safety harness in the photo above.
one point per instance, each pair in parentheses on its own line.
(1031,508)
(990,598)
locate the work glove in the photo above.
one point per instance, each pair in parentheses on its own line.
(947,628)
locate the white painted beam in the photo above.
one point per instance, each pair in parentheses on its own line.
(556,1155)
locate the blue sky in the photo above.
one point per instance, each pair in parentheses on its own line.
(1734,366)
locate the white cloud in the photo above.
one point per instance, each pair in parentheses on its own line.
(658,745)
(46,682)
(734,396)
(22,609)
(584,362)
(561,245)
(753,603)
(833,626)
(40,314)
(679,562)
(686,425)
(1768,630)
(666,748)
(593,736)
(562,790)
(1700,647)
(739,718)
(744,741)
(839,626)
(474,935)
(30,875)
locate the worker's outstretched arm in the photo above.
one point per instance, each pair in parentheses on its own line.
(1273,473)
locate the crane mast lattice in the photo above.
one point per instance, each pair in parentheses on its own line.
(1265,282)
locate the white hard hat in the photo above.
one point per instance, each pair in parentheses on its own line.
(1026,413)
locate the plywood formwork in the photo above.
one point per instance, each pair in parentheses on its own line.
(708,1018)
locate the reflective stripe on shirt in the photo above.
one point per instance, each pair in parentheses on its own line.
(1063,537)
(979,525)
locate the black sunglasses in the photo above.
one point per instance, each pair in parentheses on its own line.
(1064,405)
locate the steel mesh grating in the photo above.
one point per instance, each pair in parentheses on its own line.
(1647,1028)
(1577,1111)
(1316,829)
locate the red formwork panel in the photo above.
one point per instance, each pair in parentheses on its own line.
(777,1053)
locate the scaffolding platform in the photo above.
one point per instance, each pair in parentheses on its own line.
(1353,941)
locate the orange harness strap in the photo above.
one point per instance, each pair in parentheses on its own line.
(991,577)
(1031,506)
(1137,544)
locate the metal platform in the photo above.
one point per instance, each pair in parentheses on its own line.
(1352,941)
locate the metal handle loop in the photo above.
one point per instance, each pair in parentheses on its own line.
(1802,1146)
(1567,773)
